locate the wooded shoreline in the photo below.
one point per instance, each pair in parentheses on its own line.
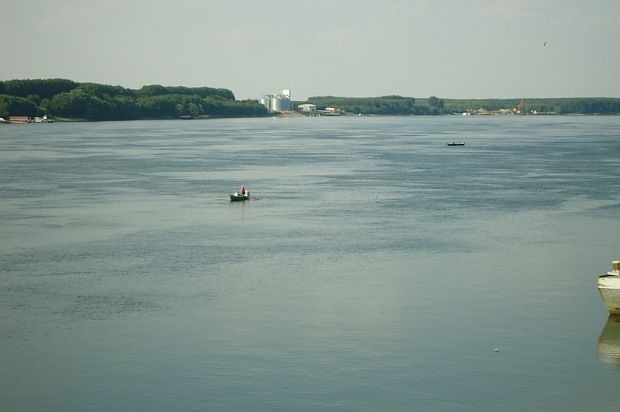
(63,99)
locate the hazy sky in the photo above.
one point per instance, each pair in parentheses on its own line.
(419,48)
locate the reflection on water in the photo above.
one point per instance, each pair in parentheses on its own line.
(609,341)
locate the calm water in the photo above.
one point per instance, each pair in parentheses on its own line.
(376,269)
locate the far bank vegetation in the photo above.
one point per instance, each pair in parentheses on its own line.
(63,98)
(399,105)
(66,99)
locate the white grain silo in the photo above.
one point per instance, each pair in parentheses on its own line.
(266,101)
(276,104)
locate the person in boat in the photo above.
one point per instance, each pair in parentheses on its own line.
(242,190)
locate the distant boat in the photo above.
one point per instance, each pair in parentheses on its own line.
(235,197)
(456,144)
(242,194)
(609,288)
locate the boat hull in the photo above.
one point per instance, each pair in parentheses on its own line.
(239,198)
(609,288)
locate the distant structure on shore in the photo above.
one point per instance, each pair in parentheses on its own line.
(278,102)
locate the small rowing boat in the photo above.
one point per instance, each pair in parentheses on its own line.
(235,197)
(242,194)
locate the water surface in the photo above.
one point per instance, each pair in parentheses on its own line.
(376,269)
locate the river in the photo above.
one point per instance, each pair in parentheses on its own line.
(375,267)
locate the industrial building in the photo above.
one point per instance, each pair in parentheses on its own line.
(307,107)
(278,102)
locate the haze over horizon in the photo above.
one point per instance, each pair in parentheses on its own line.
(450,49)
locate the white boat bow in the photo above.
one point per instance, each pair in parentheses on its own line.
(609,288)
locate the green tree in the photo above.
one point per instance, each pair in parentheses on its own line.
(152,90)
(12,105)
(44,88)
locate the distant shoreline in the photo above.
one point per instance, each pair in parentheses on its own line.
(66,100)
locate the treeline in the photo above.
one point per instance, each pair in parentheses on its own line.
(63,98)
(567,105)
(394,105)
(398,105)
